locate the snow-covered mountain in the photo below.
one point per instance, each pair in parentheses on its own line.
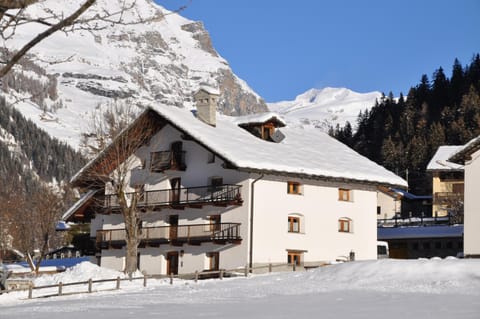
(325,107)
(68,76)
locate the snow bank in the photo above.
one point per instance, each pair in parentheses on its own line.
(80,272)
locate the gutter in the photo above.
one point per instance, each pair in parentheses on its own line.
(252,205)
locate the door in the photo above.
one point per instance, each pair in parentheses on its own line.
(176,149)
(213,260)
(175,192)
(173,221)
(172,263)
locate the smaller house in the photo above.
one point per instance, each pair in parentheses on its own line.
(468,156)
(389,203)
(447,182)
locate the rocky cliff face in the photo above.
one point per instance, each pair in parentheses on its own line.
(163,60)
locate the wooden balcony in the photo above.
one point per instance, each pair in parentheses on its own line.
(179,198)
(168,160)
(446,198)
(222,233)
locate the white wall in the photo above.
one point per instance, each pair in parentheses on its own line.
(389,206)
(472,206)
(321,209)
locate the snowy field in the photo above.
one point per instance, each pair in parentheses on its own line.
(435,288)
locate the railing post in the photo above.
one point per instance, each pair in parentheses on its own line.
(196,275)
(171,278)
(246,270)
(30,291)
(60,286)
(270,267)
(145,280)
(221,274)
(90,285)
(118,283)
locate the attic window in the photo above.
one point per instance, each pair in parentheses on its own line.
(294,188)
(345,195)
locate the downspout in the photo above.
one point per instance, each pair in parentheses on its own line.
(252,195)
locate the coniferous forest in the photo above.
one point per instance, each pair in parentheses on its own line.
(402,134)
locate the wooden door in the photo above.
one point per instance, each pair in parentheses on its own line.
(172,263)
(173,221)
(175,192)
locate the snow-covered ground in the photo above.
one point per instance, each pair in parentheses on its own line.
(435,288)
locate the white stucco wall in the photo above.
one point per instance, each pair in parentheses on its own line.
(472,206)
(388,206)
(321,209)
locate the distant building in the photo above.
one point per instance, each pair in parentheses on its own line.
(447,182)
(469,156)
(411,242)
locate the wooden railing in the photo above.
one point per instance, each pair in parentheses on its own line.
(63,289)
(182,197)
(197,233)
(447,197)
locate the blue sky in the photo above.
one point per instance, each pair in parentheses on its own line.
(283,48)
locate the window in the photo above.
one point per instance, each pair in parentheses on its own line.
(293,224)
(294,257)
(160,161)
(344,194)
(345,225)
(294,188)
(211,158)
(379,210)
(216,183)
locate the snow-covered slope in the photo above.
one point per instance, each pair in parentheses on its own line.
(162,60)
(325,107)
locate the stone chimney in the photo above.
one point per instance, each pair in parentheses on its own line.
(206,100)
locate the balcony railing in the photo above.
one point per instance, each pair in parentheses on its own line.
(221,233)
(441,198)
(181,197)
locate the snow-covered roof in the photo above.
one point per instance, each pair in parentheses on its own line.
(440,161)
(411,232)
(466,150)
(409,195)
(259,118)
(77,205)
(209,89)
(305,152)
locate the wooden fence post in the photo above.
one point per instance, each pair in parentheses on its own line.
(171,278)
(246,270)
(60,286)
(196,275)
(90,285)
(30,291)
(294,266)
(118,282)
(270,267)
(145,280)
(221,274)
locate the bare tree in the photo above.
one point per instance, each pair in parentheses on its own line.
(112,166)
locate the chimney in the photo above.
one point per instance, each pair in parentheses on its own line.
(206,100)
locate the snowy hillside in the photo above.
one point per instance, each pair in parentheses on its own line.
(162,60)
(435,288)
(325,107)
